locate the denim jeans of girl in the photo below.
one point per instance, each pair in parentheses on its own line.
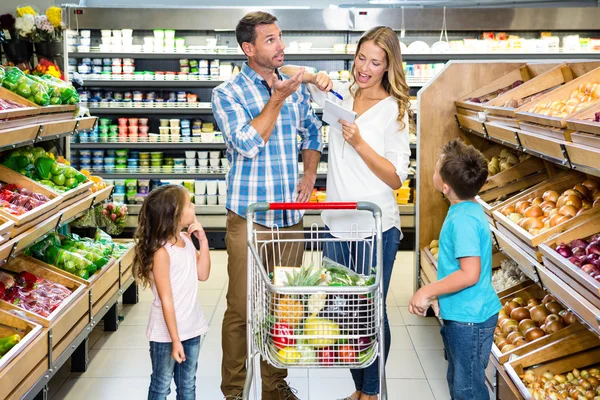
(352,255)
(165,368)
(467,347)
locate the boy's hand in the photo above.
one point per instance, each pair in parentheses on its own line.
(178,354)
(436,307)
(196,228)
(419,303)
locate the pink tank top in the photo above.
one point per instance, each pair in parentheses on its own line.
(184,285)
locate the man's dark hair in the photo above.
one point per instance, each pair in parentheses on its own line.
(463,168)
(245,31)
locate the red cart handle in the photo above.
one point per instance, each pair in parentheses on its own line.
(314,206)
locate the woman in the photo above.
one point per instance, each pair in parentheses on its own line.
(368,160)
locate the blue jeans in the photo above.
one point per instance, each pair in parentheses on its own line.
(467,347)
(346,253)
(164,368)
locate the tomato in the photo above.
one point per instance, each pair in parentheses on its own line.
(280,334)
(347,354)
(326,356)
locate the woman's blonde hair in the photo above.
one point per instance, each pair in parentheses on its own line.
(158,222)
(394,81)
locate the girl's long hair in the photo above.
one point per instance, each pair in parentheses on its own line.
(394,81)
(158,222)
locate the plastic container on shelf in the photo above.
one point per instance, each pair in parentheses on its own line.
(211,200)
(179,162)
(169,161)
(174,123)
(133,163)
(164,130)
(175,131)
(98,153)
(133,130)
(143,121)
(190,162)
(215,162)
(144,186)
(153,137)
(156,155)
(156,162)
(110,161)
(143,130)
(214,154)
(134,154)
(203,162)
(121,153)
(164,122)
(123,130)
(202,154)
(190,154)
(200,199)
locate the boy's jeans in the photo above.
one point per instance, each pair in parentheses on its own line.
(164,367)
(468,347)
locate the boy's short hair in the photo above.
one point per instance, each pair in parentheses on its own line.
(246,28)
(463,168)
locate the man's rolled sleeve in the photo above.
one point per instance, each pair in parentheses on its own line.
(234,122)
(311,134)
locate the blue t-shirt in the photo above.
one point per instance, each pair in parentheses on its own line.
(466,233)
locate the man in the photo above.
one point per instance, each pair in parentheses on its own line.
(261,113)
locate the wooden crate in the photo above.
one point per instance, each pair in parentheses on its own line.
(102,194)
(583,283)
(580,154)
(527,241)
(126,260)
(47,209)
(11,324)
(523,169)
(427,266)
(509,190)
(5,229)
(19,134)
(542,144)
(570,298)
(550,75)
(503,131)
(584,121)
(558,359)
(524,113)
(471,122)
(586,139)
(25,369)
(520,74)
(29,108)
(507,245)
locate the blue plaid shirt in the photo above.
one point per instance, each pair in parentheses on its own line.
(263,171)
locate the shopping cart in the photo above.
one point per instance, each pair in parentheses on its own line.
(337,324)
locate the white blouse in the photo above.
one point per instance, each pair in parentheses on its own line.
(348,176)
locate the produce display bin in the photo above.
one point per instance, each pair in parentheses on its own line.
(524,113)
(5,229)
(44,211)
(528,293)
(11,324)
(551,76)
(584,123)
(523,169)
(558,359)
(126,260)
(29,108)
(522,73)
(428,265)
(523,238)
(582,282)
(69,319)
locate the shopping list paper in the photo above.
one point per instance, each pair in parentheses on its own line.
(333,113)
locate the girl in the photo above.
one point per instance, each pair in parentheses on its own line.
(368,160)
(167,261)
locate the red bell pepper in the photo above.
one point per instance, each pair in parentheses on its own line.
(281,334)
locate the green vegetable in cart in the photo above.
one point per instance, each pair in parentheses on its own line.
(308,355)
(305,276)
(365,356)
(325,330)
(7,343)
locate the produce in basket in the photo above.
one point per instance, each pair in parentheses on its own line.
(35,294)
(281,334)
(60,91)
(325,330)
(434,249)
(578,100)
(289,309)
(508,275)
(507,159)
(490,96)
(17,82)
(520,322)
(584,254)
(540,214)
(584,384)
(17,200)
(8,342)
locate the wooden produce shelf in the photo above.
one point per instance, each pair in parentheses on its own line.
(582,282)
(528,293)
(428,265)
(11,324)
(559,359)
(584,121)
(126,260)
(523,238)
(524,168)
(562,93)
(5,229)
(504,133)
(519,74)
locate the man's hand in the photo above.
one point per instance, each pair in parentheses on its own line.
(322,81)
(283,89)
(305,188)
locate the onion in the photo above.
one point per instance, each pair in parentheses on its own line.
(583,190)
(578,251)
(591,259)
(575,261)
(593,248)
(587,268)
(550,195)
(564,250)
(580,243)
(595,238)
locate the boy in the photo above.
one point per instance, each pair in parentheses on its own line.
(468,304)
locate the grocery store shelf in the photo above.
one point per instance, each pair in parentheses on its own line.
(191,83)
(206,110)
(172,175)
(150,145)
(348,57)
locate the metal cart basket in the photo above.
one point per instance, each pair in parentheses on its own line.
(304,310)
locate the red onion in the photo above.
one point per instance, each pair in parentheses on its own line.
(595,238)
(580,243)
(578,251)
(575,261)
(588,268)
(564,250)
(591,259)
(593,248)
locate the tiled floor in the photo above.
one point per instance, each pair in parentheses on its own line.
(120,368)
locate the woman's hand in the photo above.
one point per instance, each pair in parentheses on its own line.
(351,133)
(322,81)
(196,228)
(178,354)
